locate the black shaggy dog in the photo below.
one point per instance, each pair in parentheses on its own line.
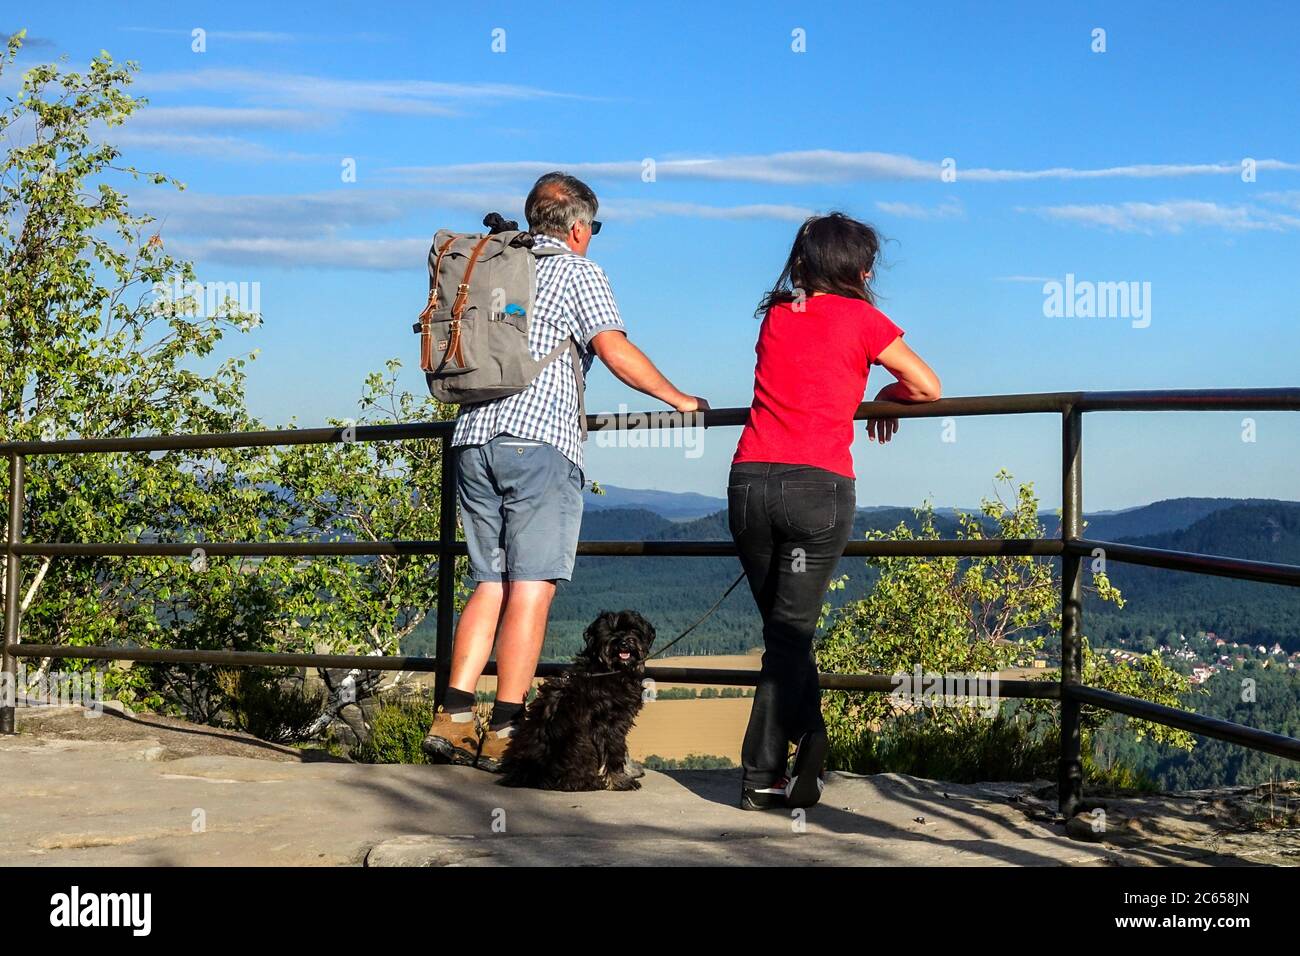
(573,736)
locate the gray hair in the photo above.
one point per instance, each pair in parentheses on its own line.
(556,201)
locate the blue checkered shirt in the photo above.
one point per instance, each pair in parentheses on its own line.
(573,298)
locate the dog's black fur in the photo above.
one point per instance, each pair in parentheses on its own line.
(573,736)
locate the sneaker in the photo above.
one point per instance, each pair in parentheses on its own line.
(494,747)
(455,741)
(806,783)
(766,798)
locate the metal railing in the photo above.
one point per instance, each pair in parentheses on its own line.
(1070,547)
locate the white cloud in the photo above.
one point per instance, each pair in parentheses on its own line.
(332,96)
(1289,198)
(384,255)
(223,117)
(811,167)
(317,230)
(212,147)
(948,209)
(1141,171)
(304,215)
(649,208)
(1172,216)
(265,36)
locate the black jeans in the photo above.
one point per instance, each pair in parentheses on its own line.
(790,524)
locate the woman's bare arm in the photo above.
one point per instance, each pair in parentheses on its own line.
(916,383)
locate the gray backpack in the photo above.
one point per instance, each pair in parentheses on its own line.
(474,329)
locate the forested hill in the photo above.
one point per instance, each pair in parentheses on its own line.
(1160,602)
(1171,514)
(673,592)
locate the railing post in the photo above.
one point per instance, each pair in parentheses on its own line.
(13,590)
(1070,779)
(446,572)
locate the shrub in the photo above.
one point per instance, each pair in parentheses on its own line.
(269,703)
(397,727)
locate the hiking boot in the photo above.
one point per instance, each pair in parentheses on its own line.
(493,749)
(454,741)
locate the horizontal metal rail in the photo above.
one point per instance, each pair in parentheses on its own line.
(649,549)
(1261,571)
(1071,547)
(1213,564)
(740,677)
(1250,399)
(1276,744)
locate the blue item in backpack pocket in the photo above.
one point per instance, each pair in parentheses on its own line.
(513,309)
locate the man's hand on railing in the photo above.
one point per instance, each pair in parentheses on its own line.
(692,403)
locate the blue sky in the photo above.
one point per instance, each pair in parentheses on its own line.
(1115,166)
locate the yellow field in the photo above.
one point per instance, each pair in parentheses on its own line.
(678,728)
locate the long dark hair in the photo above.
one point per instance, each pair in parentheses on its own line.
(829,255)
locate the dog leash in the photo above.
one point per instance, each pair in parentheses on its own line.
(703,617)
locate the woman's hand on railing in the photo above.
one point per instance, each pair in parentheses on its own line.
(882,429)
(916,383)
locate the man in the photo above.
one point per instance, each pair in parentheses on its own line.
(521,479)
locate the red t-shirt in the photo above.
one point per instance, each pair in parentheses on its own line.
(810,378)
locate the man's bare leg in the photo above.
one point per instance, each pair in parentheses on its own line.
(475,633)
(519,641)
(454,735)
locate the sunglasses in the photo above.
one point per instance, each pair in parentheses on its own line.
(595,227)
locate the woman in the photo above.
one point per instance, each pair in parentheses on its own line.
(791,497)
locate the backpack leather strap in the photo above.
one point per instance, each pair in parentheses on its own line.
(454,343)
(426,332)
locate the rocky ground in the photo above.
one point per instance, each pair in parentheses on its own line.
(124,789)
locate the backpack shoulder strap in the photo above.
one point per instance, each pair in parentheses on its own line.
(571,344)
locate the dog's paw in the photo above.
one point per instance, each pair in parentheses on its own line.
(619,781)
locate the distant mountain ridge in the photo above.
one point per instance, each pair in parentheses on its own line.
(674,591)
(1158,517)
(674,505)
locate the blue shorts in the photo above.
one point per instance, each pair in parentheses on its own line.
(521,507)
